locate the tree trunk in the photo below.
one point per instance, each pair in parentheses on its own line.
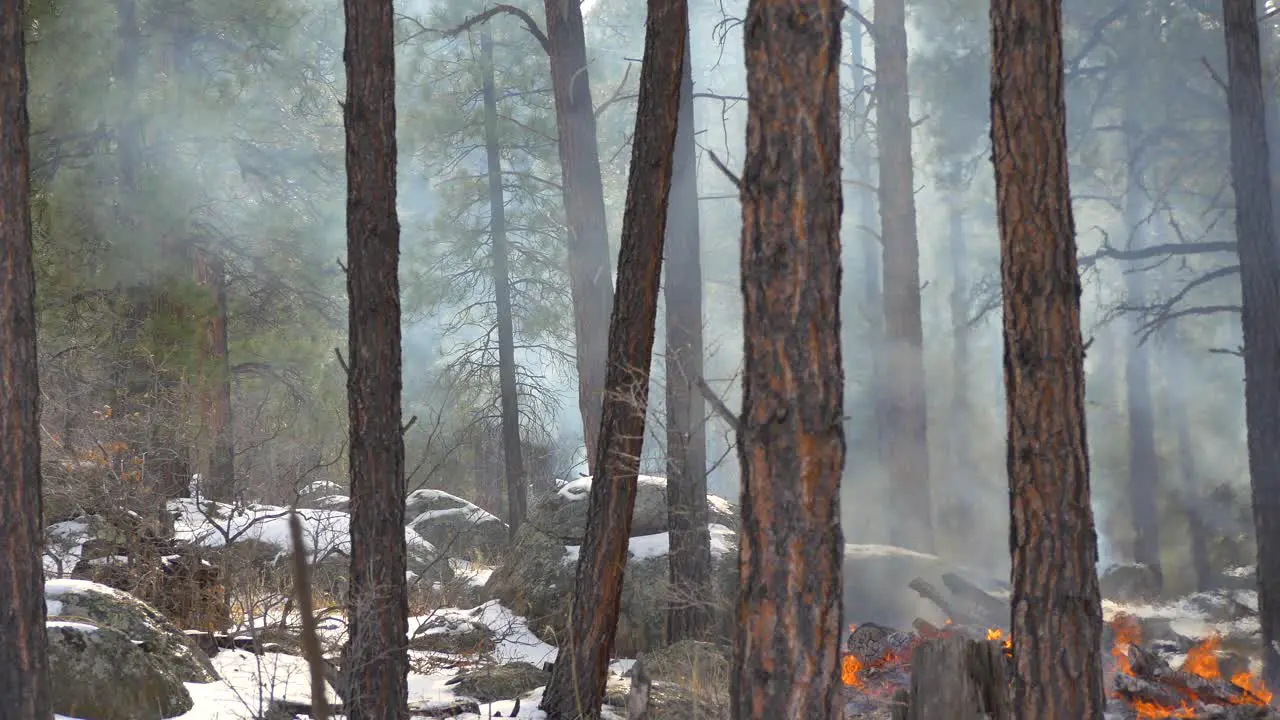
(1144,463)
(215,385)
(1057,610)
(576,688)
(590,278)
(791,444)
(377,662)
(961,411)
(25,693)
(1260,285)
(689,617)
(905,418)
(517,488)
(955,678)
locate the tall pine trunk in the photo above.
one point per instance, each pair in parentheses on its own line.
(1260,286)
(25,693)
(1144,463)
(215,383)
(905,414)
(1057,610)
(576,688)
(689,559)
(499,253)
(590,278)
(786,661)
(377,661)
(960,435)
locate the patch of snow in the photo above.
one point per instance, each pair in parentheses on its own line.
(64,546)
(321,486)
(82,627)
(54,589)
(647,547)
(720,504)
(53,608)
(475,575)
(514,640)
(579,489)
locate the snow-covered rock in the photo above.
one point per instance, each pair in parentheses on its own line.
(459,528)
(563,514)
(99,672)
(105,607)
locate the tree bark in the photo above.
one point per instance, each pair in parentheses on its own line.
(576,688)
(25,693)
(215,389)
(955,678)
(905,411)
(1260,290)
(1144,463)
(377,660)
(1057,611)
(961,410)
(517,487)
(689,617)
(786,661)
(590,278)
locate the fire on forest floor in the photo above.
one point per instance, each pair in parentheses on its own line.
(1141,683)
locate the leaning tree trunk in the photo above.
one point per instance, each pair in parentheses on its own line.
(517,488)
(905,410)
(24,673)
(689,616)
(215,381)
(1260,285)
(1057,611)
(786,661)
(1144,462)
(590,278)
(377,663)
(576,688)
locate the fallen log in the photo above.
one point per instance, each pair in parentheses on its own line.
(955,678)
(927,591)
(994,612)
(1209,691)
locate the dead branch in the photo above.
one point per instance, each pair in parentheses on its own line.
(718,405)
(529,24)
(310,641)
(727,172)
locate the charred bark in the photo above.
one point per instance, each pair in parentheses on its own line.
(215,390)
(377,660)
(517,487)
(955,678)
(786,659)
(25,693)
(1260,286)
(689,617)
(1057,611)
(590,277)
(1144,462)
(905,416)
(576,687)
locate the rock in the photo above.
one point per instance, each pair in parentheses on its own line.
(671,700)
(106,607)
(177,580)
(99,673)
(1131,583)
(453,635)
(877,579)
(536,582)
(458,528)
(563,514)
(444,708)
(499,682)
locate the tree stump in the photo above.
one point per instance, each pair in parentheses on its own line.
(955,678)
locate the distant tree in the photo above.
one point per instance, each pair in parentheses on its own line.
(1260,285)
(1057,611)
(690,556)
(786,661)
(24,672)
(377,664)
(905,409)
(576,688)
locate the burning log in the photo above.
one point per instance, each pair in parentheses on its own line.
(1210,691)
(955,678)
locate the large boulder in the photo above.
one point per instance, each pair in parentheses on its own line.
(105,607)
(536,582)
(457,527)
(563,514)
(100,673)
(177,580)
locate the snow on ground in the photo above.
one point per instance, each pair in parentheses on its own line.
(515,641)
(476,575)
(65,542)
(648,547)
(213,524)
